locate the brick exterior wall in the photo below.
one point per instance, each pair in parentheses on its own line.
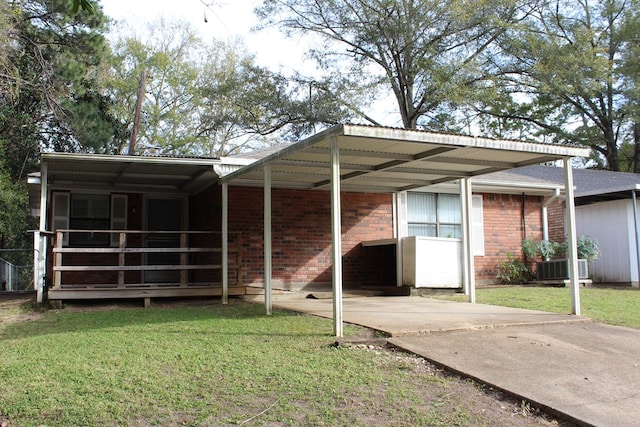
(301,231)
(504,229)
(555,220)
(301,223)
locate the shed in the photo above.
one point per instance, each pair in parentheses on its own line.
(606,209)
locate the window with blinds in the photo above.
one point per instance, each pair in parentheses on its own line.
(434,215)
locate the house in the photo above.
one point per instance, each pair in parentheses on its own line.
(606,208)
(309,214)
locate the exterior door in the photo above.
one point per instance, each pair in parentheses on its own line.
(163,214)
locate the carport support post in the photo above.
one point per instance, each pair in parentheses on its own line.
(225,243)
(336,238)
(468,270)
(634,205)
(571,238)
(267,238)
(40,248)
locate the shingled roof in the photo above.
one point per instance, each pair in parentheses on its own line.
(590,184)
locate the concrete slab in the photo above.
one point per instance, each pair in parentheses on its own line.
(584,371)
(413,315)
(587,372)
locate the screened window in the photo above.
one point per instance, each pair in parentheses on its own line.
(89,212)
(434,215)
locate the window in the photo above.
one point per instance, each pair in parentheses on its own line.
(439,215)
(79,211)
(434,215)
(89,212)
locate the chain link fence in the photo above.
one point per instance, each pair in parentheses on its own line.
(14,277)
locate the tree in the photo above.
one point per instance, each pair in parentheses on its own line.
(562,71)
(427,52)
(52,66)
(207,99)
(50,70)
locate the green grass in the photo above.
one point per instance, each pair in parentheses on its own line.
(613,306)
(212,365)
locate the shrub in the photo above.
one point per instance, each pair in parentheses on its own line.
(513,271)
(530,249)
(587,249)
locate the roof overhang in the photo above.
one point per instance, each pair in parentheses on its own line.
(376,159)
(140,174)
(129,173)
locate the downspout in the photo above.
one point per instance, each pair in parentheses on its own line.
(634,204)
(545,218)
(523,213)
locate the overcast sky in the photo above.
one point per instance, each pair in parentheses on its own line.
(235,18)
(224,19)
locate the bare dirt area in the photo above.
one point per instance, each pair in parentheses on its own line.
(485,405)
(18,308)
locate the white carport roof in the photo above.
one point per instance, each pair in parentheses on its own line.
(374,159)
(370,159)
(149,174)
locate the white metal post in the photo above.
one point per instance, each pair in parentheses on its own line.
(225,243)
(634,205)
(40,247)
(471,267)
(571,238)
(400,228)
(468,268)
(267,239)
(336,238)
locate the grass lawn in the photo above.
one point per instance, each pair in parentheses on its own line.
(612,306)
(217,365)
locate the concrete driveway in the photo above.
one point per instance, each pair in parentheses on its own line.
(581,370)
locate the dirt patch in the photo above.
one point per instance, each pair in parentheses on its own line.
(18,308)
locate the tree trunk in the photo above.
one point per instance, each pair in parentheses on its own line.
(613,160)
(636,148)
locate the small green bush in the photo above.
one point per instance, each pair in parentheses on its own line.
(548,249)
(588,248)
(513,271)
(530,249)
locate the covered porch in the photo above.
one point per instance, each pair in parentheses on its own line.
(130,227)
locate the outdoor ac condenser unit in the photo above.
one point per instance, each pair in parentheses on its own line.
(558,269)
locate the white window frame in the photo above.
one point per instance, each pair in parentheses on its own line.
(477,224)
(477,219)
(61,213)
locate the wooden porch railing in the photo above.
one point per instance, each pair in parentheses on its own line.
(195,261)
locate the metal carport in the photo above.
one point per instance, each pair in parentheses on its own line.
(373,159)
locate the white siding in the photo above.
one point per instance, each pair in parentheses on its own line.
(612,224)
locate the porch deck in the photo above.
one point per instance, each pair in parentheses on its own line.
(143,264)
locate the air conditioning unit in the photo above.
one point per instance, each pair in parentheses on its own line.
(558,269)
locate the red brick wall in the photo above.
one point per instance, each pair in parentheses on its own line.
(555,219)
(504,229)
(301,227)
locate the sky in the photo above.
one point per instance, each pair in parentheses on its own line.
(224,19)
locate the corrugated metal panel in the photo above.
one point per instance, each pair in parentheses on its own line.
(612,224)
(129,173)
(395,159)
